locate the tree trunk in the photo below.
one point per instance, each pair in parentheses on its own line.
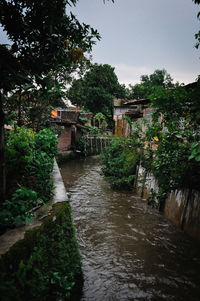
(2,152)
(19,121)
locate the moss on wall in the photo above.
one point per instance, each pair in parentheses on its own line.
(46,264)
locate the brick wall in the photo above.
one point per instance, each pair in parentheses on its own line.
(64,140)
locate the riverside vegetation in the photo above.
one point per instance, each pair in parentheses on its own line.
(46,264)
(29,160)
(169,148)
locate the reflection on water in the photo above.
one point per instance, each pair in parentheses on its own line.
(129,251)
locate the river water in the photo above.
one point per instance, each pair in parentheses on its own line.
(129,250)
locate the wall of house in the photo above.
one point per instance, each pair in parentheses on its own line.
(64,140)
(120,127)
(181,206)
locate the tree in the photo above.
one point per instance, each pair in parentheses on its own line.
(9,70)
(96,89)
(148,82)
(100,117)
(43,39)
(197,35)
(42,32)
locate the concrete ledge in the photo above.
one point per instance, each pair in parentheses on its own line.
(59,191)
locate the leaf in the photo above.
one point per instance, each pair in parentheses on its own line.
(197,158)
(191,157)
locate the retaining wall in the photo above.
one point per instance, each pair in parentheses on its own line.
(181,206)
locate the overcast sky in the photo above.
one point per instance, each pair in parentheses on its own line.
(139,36)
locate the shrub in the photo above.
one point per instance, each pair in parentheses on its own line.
(82,145)
(46,141)
(20,148)
(16,211)
(119,162)
(38,175)
(29,158)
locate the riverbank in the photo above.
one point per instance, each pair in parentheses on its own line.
(43,261)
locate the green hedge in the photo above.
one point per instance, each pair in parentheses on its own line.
(46,265)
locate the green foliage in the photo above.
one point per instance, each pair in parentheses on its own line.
(83,119)
(197,35)
(119,162)
(10,70)
(43,38)
(30,163)
(195,151)
(46,142)
(101,118)
(93,130)
(82,145)
(16,211)
(170,144)
(19,152)
(38,175)
(160,78)
(46,265)
(174,132)
(96,90)
(39,61)
(43,44)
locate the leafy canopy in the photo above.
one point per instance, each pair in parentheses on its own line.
(96,89)
(148,82)
(197,35)
(42,34)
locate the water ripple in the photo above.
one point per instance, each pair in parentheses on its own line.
(129,251)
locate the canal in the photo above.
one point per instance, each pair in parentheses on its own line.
(129,250)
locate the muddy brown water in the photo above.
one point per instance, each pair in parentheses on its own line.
(129,250)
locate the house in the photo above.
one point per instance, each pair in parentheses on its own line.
(135,110)
(69,120)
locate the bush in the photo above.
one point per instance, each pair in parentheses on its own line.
(29,159)
(20,148)
(45,140)
(16,211)
(119,162)
(38,175)
(82,145)
(93,130)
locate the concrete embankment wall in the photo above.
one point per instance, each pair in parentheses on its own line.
(181,206)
